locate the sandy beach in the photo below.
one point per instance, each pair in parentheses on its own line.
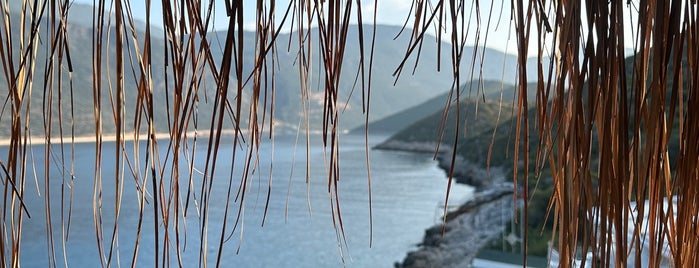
(40,140)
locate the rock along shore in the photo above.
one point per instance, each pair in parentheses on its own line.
(468,228)
(464,172)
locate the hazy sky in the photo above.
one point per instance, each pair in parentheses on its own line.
(392,12)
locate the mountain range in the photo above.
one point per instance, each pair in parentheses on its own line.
(388,94)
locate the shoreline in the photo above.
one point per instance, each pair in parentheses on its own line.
(454,242)
(413,146)
(465,172)
(464,232)
(130,136)
(41,140)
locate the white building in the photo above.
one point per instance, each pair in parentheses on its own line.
(554,258)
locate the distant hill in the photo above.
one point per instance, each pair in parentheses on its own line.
(411,89)
(80,45)
(471,147)
(487,90)
(477,118)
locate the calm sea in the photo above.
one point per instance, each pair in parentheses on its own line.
(407,191)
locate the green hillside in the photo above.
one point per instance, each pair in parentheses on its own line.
(488,89)
(475,117)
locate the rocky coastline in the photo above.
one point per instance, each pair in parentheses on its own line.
(412,146)
(464,172)
(468,228)
(465,232)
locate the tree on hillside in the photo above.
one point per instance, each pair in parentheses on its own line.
(628,116)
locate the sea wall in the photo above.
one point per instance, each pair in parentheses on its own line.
(467,229)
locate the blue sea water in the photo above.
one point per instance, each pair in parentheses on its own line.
(406,187)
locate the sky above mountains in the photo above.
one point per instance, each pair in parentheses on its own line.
(388,12)
(497,32)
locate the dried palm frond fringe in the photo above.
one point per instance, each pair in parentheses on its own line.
(586,100)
